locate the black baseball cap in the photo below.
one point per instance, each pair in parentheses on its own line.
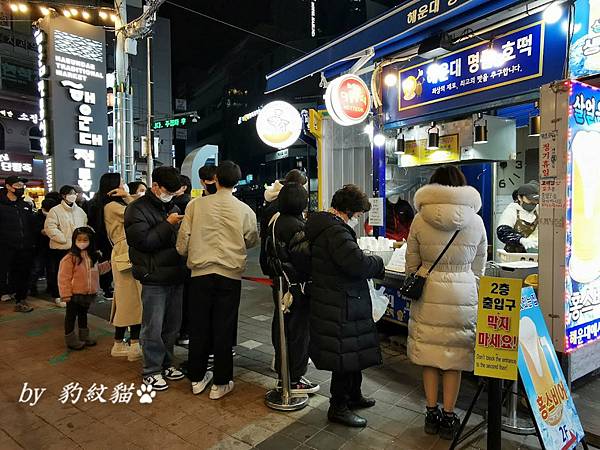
(13,179)
(530,192)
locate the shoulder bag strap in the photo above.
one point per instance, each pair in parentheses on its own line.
(443,252)
(273,222)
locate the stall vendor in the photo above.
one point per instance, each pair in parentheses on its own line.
(518,227)
(399,217)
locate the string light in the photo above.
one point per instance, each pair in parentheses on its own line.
(67,11)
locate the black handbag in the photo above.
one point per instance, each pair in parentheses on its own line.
(413,285)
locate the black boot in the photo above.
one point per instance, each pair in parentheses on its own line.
(84,336)
(432,420)
(343,415)
(361,402)
(73,341)
(449,426)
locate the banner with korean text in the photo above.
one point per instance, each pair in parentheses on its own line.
(496,345)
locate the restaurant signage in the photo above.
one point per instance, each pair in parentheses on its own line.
(348,100)
(508,59)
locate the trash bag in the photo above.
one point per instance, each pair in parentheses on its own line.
(379,301)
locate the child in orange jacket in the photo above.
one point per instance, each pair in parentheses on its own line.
(78,284)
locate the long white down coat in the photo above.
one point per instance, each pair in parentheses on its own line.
(441,329)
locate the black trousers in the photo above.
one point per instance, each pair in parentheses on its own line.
(106,281)
(297,334)
(54,257)
(74,312)
(39,267)
(345,386)
(213,313)
(15,271)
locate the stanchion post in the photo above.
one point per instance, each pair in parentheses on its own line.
(281,399)
(494,436)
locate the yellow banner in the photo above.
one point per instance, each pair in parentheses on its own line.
(497,339)
(417,154)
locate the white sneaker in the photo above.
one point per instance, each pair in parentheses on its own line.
(157,382)
(7,298)
(174,374)
(119,349)
(220,390)
(198,387)
(135,352)
(60,303)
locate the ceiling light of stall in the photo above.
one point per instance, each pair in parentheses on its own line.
(492,58)
(14,7)
(391,80)
(85,15)
(553,13)
(433,137)
(67,13)
(481,130)
(23,8)
(45,11)
(434,73)
(113,17)
(74,12)
(369,129)
(103,15)
(400,144)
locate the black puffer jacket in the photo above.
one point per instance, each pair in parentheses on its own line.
(343,336)
(291,252)
(17,223)
(151,241)
(268,211)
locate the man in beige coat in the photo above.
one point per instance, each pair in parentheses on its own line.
(215,234)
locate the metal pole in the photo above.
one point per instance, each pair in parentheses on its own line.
(149,137)
(494,435)
(281,399)
(121,88)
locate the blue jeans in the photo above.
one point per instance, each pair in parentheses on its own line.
(161,321)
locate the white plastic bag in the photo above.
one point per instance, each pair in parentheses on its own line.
(379,301)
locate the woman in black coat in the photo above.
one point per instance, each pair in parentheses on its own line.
(288,256)
(343,337)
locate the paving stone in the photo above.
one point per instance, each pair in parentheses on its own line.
(324,440)
(300,431)
(278,442)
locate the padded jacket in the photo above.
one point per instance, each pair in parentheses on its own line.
(17,223)
(151,240)
(343,336)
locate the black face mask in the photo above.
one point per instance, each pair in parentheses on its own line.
(20,192)
(529,206)
(211,188)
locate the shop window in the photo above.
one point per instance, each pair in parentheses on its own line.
(34,139)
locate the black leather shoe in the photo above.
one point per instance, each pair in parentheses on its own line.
(346,417)
(361,403)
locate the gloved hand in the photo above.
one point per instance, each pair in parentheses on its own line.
(528,243)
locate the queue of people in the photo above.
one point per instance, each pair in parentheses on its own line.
(172,257)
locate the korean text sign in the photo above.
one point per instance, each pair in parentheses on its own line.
(582,256)
(516,57)
(544,382)
(498,328)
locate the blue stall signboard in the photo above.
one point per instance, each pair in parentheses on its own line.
(514,57)
(545,384)
(582,256)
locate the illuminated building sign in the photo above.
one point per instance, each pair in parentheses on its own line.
(582,283)
(279,124)
(348,100)
(512,58)
(15,164)
(73,111)
(170,123)
(19,115)
(428,9)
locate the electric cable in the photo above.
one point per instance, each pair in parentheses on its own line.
(222,22)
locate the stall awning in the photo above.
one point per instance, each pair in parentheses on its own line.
(401,27)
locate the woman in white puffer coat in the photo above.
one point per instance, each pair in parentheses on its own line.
(441,329)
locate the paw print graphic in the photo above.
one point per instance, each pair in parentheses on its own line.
(146,393)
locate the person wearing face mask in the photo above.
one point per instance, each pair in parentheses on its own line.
(343,336)
(78,283)
(151,227)
(17,241)
(518,226)
(208,178)
(108,214)
(58,226)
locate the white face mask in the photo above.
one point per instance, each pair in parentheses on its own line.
(71,198)
(141,193)
(353,222)
(165,198)
(126,188)
(82,245)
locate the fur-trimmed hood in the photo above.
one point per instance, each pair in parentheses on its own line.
(272,192)
(446,207)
